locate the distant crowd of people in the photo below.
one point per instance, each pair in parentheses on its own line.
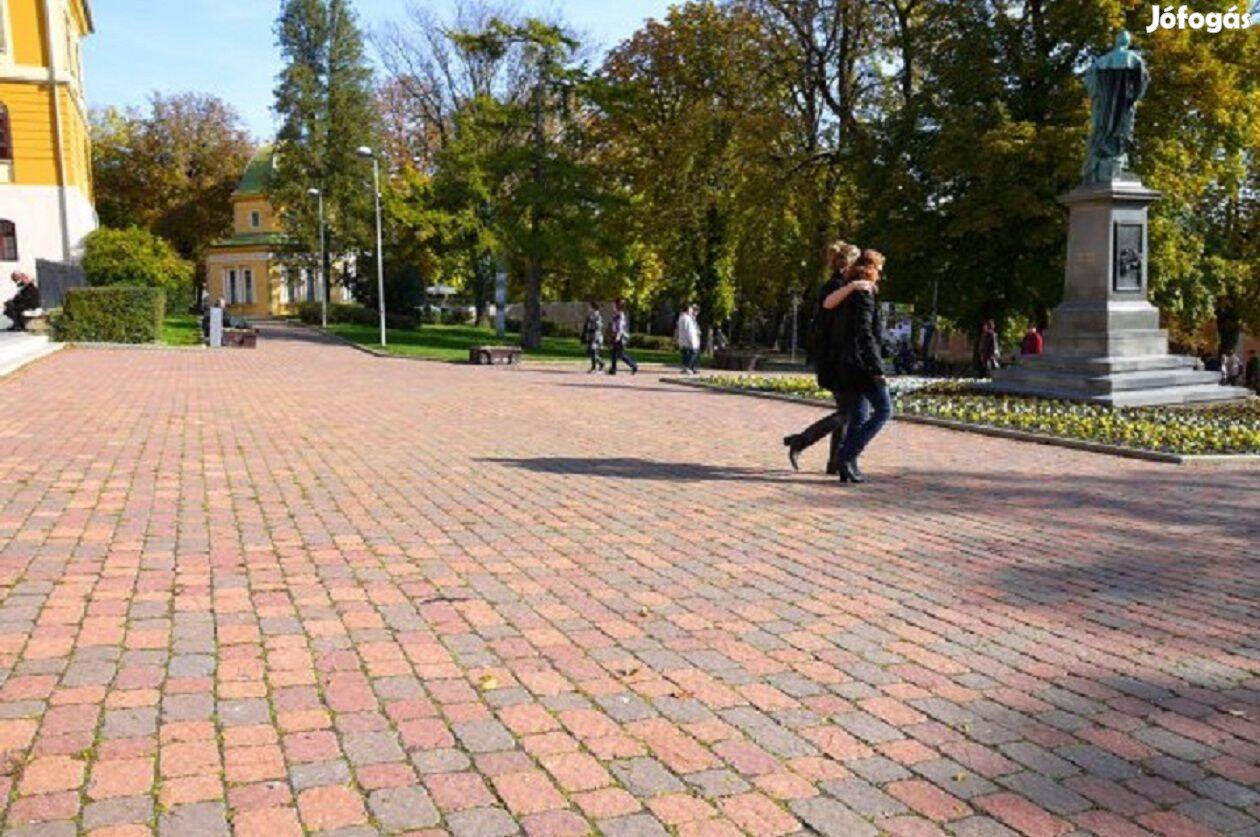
(617,335)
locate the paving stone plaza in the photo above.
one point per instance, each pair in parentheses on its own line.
(306,590)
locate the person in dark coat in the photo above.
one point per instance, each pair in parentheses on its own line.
(621,339)
(840,258)
(861,368)
(593,336)
(25,300)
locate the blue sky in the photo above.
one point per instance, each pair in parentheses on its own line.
(226,47)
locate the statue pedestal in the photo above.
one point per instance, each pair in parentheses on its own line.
(1104,344)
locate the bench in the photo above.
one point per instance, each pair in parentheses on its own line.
(737,360)
(240,338)
(490,355)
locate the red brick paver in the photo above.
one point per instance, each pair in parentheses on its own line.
(304,588)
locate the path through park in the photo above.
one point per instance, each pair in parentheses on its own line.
(302,587)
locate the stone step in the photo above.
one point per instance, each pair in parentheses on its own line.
(1107,365)
(18,349)
(1153,393)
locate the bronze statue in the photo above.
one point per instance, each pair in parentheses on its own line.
(1116,83)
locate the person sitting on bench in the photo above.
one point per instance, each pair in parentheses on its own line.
(25,301)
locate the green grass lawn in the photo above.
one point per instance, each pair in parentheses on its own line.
(445,342)
(181,330)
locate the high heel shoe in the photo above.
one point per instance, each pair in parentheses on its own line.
(848,474)
(794,453)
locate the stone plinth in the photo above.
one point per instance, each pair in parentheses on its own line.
(1104,344)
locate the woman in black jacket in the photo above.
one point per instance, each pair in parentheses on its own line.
(861,369)
(840,259)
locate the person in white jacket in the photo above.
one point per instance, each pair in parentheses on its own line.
(688,334)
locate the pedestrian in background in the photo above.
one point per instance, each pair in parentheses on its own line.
(593,337)
(688,334)
(1034,343)
(990,349)
(1253,371)
(620,339)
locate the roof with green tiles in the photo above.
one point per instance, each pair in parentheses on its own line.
(257,177)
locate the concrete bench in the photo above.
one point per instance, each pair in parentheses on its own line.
(490,355)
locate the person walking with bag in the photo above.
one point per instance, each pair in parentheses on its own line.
(593,337)
(840,259)
(620,339)
(688,334)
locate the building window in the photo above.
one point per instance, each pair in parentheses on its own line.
(229,286)
(247,279)
(255,219)
(8,242)
(6,134)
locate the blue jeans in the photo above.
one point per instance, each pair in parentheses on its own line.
(689,359)
(863,429)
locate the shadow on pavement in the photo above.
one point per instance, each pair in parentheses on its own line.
(646,469)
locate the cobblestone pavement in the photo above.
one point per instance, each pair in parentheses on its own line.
(305,589)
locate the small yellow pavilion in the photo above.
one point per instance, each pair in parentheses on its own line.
(249,271)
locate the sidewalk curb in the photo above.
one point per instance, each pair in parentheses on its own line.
(1241,461)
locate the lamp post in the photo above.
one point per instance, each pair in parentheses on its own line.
(323,257)
(368,154)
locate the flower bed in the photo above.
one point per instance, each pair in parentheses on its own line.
(1224,429)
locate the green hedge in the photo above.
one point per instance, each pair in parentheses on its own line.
(311,314)
(112,314)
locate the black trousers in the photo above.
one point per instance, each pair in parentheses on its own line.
(833,424)
(619,353)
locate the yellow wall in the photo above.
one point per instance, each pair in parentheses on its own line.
(244,206)
(266,284)
(28,32)
(31,118)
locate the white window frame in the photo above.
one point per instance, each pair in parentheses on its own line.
(247,279)
(229,285)
(6,35)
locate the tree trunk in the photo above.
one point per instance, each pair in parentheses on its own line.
(531,326)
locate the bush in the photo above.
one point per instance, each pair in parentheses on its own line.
(311,314)
(135,256)
(117,314)
(654,342)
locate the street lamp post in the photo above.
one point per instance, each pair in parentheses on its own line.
(368,154)
(323,257)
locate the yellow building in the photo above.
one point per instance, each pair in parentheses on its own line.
(252,271)
(46,207)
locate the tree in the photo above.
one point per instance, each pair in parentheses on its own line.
(135,256)
(170,170)
(1205,161)
(546,193)
(438,107)
(327,107)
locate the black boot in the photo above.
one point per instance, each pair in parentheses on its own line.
(847,474)
(794,452)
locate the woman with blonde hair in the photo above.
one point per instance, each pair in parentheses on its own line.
(841,256)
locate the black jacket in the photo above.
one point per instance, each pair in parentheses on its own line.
(824,338)
(860,338)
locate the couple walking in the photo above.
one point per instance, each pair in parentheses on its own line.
(618,336)
(849,343)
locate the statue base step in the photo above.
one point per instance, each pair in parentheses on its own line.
(1155,380)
